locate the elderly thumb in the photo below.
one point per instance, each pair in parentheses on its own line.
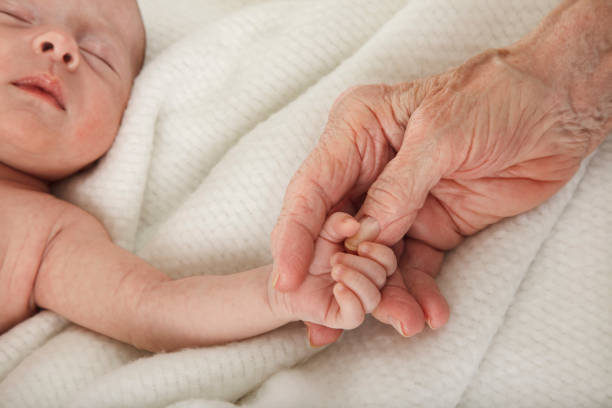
(395,197)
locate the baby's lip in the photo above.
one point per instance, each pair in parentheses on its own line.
(44,85)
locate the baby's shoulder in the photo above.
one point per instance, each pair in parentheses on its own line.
(29,219)
(23,209)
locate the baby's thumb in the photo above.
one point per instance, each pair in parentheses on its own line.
(395,198)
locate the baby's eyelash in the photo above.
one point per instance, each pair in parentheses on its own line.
(108,64)
(15,16)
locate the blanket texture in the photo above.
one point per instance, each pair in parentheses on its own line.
(233,96)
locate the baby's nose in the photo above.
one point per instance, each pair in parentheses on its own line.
(59,47)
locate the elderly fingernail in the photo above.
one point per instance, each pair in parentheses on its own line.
(399,327)
(369,230)
(310,343)
(276,278)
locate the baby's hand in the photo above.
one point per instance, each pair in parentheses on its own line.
(340,287)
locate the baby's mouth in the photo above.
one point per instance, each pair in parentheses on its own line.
(46,87)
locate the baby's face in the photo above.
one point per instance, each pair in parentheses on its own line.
(66,72)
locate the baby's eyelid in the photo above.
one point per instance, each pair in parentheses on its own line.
(104,60)
(15,16)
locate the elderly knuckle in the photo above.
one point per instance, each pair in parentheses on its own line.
(360,92)
(387,197)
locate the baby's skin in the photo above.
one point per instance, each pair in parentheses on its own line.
(66,72)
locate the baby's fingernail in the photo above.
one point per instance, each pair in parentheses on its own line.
(369,230)
(430,325)
(399,327)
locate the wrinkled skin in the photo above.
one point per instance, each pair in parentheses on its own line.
(437,159)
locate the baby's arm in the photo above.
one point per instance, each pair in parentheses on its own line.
(92,282)
(89,280)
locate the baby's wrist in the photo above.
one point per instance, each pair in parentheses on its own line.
(279,303)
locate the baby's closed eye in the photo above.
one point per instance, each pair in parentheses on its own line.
(97,57)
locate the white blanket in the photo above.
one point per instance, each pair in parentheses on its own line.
(233,96)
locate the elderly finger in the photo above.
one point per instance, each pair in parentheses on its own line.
(399,308)
(319,336)
(419,265)
(398,193)
(321,182)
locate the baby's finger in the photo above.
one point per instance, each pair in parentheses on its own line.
(366,291)
(379,253)
(338,227)
(351,312)
(372,269)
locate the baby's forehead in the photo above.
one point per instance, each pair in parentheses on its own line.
(124,17)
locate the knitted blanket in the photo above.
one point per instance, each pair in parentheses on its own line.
(233,96)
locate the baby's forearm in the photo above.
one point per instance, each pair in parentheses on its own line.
(94,283)
(206,310)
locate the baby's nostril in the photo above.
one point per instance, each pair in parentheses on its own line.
(67,58)
(47,46)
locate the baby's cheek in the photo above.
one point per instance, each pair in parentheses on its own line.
(96,131)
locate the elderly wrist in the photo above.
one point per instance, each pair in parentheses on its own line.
(571,53)
(569,45)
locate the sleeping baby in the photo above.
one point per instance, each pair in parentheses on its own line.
(66,72)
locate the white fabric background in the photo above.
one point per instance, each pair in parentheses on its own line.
(233,96)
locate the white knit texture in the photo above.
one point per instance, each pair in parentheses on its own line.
(233,96)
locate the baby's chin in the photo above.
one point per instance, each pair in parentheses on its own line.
(35,156)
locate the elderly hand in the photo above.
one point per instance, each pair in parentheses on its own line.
(443,157)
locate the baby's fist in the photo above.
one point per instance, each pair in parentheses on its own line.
(360,277)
